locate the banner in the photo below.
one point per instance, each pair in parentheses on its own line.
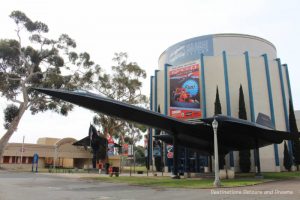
(125,149)
(130,150)
(110,146)
(185,91)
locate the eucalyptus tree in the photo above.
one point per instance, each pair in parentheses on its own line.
(31,59)
(124,84)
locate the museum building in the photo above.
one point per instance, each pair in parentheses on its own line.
(189,72)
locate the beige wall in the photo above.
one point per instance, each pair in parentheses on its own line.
(160,90)
(47,141)
(237,75)
(278,105)
(237,44)
(214,76)
(261,105)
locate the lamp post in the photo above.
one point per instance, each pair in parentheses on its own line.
(55,156)
(217,182)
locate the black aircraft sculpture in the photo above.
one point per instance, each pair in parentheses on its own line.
(233,134)
(98,144)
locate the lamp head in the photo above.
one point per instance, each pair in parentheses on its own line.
(215,124)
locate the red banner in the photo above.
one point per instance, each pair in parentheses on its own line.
(185,114)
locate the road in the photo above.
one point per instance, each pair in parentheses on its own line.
(20,185)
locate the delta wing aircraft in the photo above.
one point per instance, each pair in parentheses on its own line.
(233,134)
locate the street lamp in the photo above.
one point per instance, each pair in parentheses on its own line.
(217,182)
(55,157)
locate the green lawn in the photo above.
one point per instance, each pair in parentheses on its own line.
(178,183)
(241,180)
(126,169)
(271,175)
(281,175)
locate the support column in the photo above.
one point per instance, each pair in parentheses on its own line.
(197,162)
(175,157)
(186,157)
(257,160)
(166,106)
(150,129)
(271,105)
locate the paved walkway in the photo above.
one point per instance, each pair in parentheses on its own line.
(18,185)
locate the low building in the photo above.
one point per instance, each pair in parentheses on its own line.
(62,151)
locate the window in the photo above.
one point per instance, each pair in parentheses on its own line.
(13,159)
(30,159)
(6,159)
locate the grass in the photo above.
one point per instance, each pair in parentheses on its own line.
(196,183)
(126,169)
(281,175)
(271,175)
(178,183)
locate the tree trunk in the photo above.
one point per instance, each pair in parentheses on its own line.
(12,128)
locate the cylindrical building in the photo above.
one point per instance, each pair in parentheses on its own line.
(184,86)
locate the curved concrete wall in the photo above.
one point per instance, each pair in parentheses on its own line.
(250,61)
(213,45)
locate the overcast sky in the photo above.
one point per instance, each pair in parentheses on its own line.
(145,29)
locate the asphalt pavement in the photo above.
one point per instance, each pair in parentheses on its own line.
(35,186)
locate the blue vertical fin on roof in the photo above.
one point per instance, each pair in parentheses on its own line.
(265,56)
(228,104)
(287,125)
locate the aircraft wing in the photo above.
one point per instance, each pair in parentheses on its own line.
(233,134)
(128,112)
(238,134)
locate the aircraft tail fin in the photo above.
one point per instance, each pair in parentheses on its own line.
(264,120)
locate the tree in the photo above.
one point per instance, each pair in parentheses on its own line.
(287,161)
(139,155)
(294,129)
(49,63)
(124,85)
(244,155)
(218,110)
